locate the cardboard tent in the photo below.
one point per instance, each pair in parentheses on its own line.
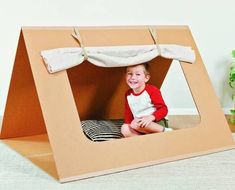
(43,111)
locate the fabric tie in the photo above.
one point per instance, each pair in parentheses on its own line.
(78,38)
(154,36)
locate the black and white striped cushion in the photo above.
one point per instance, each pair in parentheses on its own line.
(102,130)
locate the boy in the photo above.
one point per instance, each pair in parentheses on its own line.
(145,108)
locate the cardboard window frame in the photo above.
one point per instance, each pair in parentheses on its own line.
(41,120)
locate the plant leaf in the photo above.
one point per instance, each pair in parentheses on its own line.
(233,97)
(231,120)
(233,53)
(232,111)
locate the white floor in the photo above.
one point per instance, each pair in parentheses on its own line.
(215,171)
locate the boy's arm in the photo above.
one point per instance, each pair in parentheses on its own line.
(128,116)
(157,100)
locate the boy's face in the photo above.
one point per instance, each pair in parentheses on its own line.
(136,77)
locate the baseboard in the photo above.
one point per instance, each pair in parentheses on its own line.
(192,111)
(182,111)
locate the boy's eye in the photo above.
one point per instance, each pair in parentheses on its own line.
(138,74)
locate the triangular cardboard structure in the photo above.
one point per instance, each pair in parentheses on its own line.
(43,111)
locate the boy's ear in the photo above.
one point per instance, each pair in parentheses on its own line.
(147,77)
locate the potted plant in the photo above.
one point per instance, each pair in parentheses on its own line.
(231,83)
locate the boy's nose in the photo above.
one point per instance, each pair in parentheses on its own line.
(133,76)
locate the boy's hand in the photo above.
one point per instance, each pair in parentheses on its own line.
(146,120)
(135,123)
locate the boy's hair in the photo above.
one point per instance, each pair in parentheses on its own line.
(145,65)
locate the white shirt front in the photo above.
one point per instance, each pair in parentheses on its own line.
(140,105)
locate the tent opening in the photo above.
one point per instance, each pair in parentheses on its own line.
(99,92)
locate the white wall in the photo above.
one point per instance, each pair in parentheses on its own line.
(211,22)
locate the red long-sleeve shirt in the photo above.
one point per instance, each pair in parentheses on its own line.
(147,102)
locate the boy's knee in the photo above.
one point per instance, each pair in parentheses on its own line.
(125,130)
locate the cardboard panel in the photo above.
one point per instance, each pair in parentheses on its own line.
(89,92)
(22,107)
(37,149)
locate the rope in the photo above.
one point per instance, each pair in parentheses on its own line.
(154,36)
(78,38)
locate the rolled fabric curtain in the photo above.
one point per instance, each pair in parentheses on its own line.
(113,56)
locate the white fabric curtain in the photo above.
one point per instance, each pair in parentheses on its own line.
(113,56)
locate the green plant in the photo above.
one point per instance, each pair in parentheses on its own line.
(231,83)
